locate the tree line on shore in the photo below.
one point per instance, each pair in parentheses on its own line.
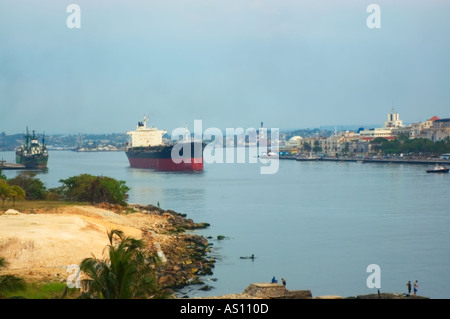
(80,188)
(416,146)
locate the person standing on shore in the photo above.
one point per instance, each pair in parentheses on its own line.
(416,287)
(284,282)
(409,286)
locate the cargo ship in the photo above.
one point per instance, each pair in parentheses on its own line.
(32,154)
(148,150)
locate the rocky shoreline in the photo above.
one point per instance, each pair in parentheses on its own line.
(186,256)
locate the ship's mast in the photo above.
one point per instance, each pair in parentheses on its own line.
(186,131)
(27,139)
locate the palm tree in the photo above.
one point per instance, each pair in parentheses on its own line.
(9,283)
(4,191)
(16,192)
(127,274)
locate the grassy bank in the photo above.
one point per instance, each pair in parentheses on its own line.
(29,205)
(45,290)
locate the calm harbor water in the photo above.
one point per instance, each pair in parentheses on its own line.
(316,224)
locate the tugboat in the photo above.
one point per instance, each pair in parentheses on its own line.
(438,169)
(32,154)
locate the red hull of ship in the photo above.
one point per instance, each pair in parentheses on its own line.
(166,164)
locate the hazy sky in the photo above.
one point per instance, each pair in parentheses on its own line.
(230,63)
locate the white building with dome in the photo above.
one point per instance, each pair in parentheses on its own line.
(294,141)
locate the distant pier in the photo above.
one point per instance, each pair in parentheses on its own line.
(5,166)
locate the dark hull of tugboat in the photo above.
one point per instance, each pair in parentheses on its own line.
(160,158)
(32,161)
(438,170)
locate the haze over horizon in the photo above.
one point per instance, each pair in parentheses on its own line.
(287,63)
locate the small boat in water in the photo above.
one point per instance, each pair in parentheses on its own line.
(438,169)
(269,155)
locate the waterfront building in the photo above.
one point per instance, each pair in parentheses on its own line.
(441,123)
(342,143)
(358,143)
(330,145)
(356,147)
(392,124)
(418,130)
(439,131)
(294,142)
(393,120)
(404,130)
(310,145)
(415,130)
(429,123)
(370,134)
(348,136)
(434,129)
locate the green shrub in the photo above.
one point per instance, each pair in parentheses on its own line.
(94,189)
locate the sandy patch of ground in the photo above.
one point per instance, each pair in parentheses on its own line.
(43,244)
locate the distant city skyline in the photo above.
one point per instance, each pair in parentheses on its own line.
(290,64)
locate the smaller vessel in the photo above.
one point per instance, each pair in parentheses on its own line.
(32,154)
(311,157)
(438,169)
(269,155)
